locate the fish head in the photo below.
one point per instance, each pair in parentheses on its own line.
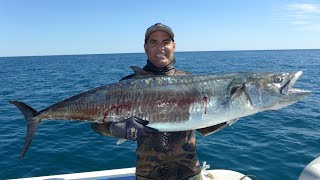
(272,91)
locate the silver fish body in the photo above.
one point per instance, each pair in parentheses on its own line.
(176,103)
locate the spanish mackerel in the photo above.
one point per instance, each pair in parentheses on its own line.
(175,103)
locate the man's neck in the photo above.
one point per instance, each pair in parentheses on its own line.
(167,70)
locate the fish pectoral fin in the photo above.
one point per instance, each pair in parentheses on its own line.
(120,141)
(234,90)
(138,71)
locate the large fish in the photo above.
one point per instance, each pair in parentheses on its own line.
(176,103)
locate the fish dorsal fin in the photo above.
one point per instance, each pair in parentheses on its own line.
(138,71)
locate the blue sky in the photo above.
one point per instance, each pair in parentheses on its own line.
(58,27)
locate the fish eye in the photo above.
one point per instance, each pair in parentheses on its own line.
(277,79)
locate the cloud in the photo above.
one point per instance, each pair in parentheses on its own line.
(304,16)
(299,22)
(309,27)
(304,8)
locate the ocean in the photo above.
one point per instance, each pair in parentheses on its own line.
(273,145)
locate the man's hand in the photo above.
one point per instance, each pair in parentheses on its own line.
(132,129)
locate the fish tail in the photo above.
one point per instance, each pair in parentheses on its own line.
(32,123)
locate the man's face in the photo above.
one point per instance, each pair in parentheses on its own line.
(160,48)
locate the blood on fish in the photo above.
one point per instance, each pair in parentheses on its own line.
(205,104)
(115,109)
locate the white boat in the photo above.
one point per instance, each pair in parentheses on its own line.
(310,172)
(129,174)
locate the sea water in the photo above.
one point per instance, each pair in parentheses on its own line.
(273,145)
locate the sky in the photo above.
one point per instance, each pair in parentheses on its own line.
(66,27)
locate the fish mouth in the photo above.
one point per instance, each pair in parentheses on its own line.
(287,89)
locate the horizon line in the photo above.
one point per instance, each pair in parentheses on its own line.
(144,52)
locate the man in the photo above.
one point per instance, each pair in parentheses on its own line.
(160,155)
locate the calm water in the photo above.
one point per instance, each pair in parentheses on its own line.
(273,145)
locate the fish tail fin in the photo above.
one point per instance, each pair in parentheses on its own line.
(32,123)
